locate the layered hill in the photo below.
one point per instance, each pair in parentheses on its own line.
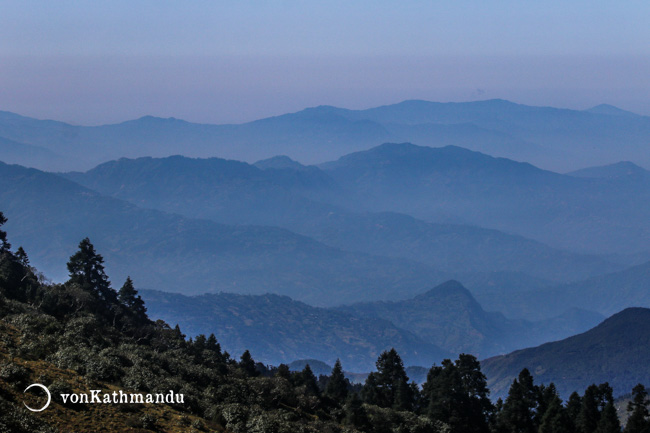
(554,138)
(25,154)
(50,215)
(616,351)
(449,316)
(277,329)
(624,170)
(308,201)
(563,211)
(605,294)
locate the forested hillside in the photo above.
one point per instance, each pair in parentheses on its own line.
(83,333)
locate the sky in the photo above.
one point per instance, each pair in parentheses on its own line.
(234,61)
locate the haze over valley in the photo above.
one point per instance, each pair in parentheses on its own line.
(366,241)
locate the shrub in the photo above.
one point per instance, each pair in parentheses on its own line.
(148,421)
(14,374)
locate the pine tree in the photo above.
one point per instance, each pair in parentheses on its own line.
(370,390)
(129,297)
(11,271)
(355,413)
(608,422)
(308,379)
(589,415)
(212,344)
(199,344)
(518,411)
(337,386)
(555,419)
(638,409)
(390,377)
(22,258)
(283,371)
(86,269)
(545,395)
(5,246)
(573,405)
(247,364)
(593,404)
(178,333)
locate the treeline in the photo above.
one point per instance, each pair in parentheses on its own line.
(105,336)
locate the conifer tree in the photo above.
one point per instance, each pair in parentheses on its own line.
(638,409)
(545,395)
(212,344)
(5,246)
(199,342)
(247,364)
(573,405)
(370,390)
(555,418)
(517,415)
(283,371)
(589,412)
(608,422)
(390,377)
(11,272)
(308,379)
(129,297)
(355,413)
(22,258)
(178,333)
(337,386)
(86,269)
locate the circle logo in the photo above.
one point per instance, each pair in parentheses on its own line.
(47,391)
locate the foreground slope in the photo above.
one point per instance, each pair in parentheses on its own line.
(616,351)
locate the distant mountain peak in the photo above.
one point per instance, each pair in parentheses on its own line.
(156,120)
(279,162)
(609,110)
(448,288)
(612,171)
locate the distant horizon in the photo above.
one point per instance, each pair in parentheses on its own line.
(105,62)
(178,117)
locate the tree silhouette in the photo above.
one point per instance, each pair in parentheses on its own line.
(457,394)
(638,408)
(337,386)
(5,246)
(86,269)
(129,297)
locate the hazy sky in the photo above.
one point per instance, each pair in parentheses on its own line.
(232,61)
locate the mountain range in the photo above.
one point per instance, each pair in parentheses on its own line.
(439,323)
(49,215)
(307,200)
(553,138)
(363,244)
(579,214)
